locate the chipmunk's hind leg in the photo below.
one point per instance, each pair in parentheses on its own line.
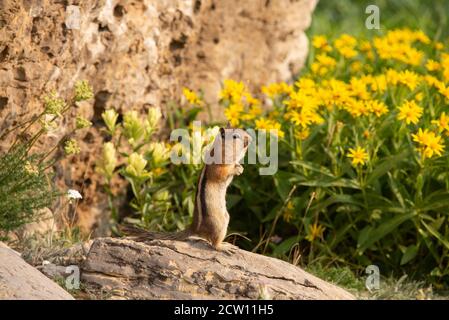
(218,244)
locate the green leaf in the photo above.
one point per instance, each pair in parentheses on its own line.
(398,190)
(313,167)
(409,254)
(436,200)
(340,235)
(338,198)
(285,246)
(386,165)
(283,183)
(436,234)
(375,234)
(325,183)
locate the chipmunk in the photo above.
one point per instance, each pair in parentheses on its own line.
(210,217)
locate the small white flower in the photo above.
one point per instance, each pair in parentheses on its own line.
(73,194)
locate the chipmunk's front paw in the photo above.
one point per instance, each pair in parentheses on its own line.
(238,169)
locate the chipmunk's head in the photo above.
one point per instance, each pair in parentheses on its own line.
(233,143)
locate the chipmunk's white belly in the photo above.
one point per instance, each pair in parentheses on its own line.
(216,199)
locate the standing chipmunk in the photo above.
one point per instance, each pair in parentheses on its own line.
(210,216)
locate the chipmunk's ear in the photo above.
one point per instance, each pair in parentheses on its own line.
(222,132)
(228,125)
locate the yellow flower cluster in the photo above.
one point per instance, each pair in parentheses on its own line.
(410,112)
(268,124)
(241,105)
(192,97)
(398,45)
(429,143)
(345,45)
(389,78)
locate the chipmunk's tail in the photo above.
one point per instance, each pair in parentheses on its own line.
(139,234)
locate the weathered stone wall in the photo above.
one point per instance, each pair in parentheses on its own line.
(138,54)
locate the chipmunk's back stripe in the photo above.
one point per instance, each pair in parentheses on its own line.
(202,193)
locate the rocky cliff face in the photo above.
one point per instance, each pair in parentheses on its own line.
(138,54)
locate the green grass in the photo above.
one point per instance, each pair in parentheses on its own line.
(391,288)
(335,17)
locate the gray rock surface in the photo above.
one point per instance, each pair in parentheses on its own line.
(20,281)
(165,269)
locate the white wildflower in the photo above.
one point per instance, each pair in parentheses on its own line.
(73,194)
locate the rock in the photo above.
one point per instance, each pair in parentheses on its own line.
(19,280)
(44,224)
(136,54)
(165,269)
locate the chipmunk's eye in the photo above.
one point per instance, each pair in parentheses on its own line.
(236,136)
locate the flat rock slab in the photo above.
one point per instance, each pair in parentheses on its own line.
(166,269)
(20,281)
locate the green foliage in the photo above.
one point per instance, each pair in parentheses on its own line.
(24,188)
(26,183)
(162,192)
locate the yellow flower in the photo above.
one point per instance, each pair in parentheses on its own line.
(136,166)
(442,122)
(431,80)
(377,107)
(302,134)
(133,129)
(320,42)
(345,45)
(158,171)
(365,47)
(71,147)
(443,90)
(276,89)
(288,212)
(315,231)
(83,91)
(82,122)
(379,83)
(359,156)
(153,117)
(334,92)
(233,113)
(432,65)
(356,66)
(439,45)
(325,60)
(347,52)
(253,112)
(358,88)
(366,134)
(410,112)
(323,64)
(108,161)
(429,144)
(392,76)
(159,152)
(232,90)
(397,45)
(419,96)
(409,79)
(191,97)
(110,117)
(268,124)
(54,105)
